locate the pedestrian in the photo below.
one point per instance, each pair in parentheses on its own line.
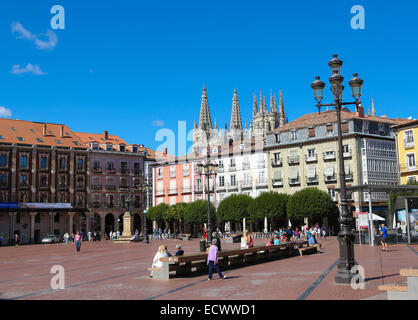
(179,251)
(78,240)
(213,260)
(89,236)
(218,240)
(160,233)
(166,251)
(204,234)
(384,238)
(156,263)
(16,240)
(111,234)
(118,234)
(324,231)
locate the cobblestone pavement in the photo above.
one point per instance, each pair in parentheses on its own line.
(106,270)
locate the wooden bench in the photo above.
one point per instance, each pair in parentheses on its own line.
(406,290)
(189,263)
(184,236)
(308,250)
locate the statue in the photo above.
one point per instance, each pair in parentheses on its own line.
(127,203)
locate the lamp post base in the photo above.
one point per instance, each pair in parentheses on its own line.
(145,239)
(346,270)
(344,276)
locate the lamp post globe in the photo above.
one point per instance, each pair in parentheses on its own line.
(335,64)
(356,84)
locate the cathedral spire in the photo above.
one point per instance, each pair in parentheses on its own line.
(281,103)
(264,105)
(216,125)
(205,122)
(261,102)
(271,101)
(236,122)
(255,106)
(373,108)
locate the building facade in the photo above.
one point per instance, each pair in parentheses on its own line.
(43,180)
(407,151)
(304,153)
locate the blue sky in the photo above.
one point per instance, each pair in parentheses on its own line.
(129,66)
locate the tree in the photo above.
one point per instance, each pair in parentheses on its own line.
(310,203)
(156,213)
(268,204)
(197,212)
(234,208)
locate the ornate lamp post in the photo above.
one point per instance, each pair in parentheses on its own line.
(208,169)
(145,187)
(345,236)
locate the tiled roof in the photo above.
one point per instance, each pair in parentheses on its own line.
(330,116)
(30,133)
(413,123)
(100,138)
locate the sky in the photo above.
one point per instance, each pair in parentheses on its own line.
(136,67)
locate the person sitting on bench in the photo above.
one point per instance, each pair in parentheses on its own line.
(179,251)
(156,263)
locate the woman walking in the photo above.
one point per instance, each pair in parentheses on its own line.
(213,260)
(77,240)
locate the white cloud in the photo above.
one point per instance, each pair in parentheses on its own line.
(158,123)
(30,68)
(5,112)
(50,42)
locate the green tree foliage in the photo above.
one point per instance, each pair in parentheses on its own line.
(310,203)
(156,213)
(234,208)
(268,204)
(197,212)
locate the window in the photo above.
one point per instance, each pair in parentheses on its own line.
(277,137)
(311,153)
(121,148)
(23,180)
(44,180)
(346,148)
(232,162)
(330,128)
(76,143)
(186,199)
(1,137)
(23,161)
(247,180)
(221,164)
(43,163)
(344,127)
(80,164)
(331,192)
(109,165)
(58,141)
(38,218)
(57,217)
(293,136)
(311,132)
(3,179)
(63,163)
(39,140)
(410,160)
(160,173)
(221,181)
(233,180)
(20,139)
(109,147)
(3,160)
(95,146)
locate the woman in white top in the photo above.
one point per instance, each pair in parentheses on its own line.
(161,253)
(244,241)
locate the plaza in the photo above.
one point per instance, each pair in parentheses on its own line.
(104,270)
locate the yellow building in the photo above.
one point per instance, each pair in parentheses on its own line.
(407,151)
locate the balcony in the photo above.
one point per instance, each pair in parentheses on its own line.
(186,190)
(311,158)
(232,187)
(246,185)
(172,191)
(186,173)
(24,168)
(97,170)
(62,169)
(347,154)
(329,156)
(110,187)
(260,183)
(198,188)
(232,168)
(294,182)
(110,170)
(95,204)
(293,160)
(312,180)
(261,165)
(124,188)
(332,178)
(276,163)
(221,169)
(408,168)
(246,166)
(349,177)
(409,144)
(137,172)
(97,187)
(159,192)
(124,171)
(277,183)
(220,187)
(79,170)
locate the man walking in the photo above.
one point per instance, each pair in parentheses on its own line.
(213,260)
(384,238)
(77,240)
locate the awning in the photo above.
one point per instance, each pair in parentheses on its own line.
(329,171)
(311,173)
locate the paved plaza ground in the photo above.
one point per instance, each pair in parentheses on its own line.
(106,270)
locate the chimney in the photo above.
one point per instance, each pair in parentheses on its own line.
(44,130)
(106,134)
(165,152)
(360,112)
(62,131)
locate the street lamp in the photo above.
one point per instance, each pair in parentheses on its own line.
(208,169)
(345,236)
(145,187)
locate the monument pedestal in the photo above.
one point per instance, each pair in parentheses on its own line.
(126,233)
